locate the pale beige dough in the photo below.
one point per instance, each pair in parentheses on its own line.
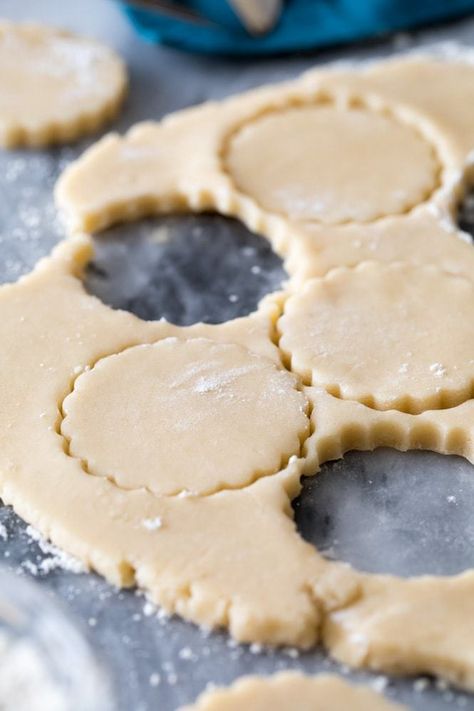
(392,624)
(186,163)
(156,416)
(332,164)
(185,564)
(421,238)
(440,86)
(54,86)
(390,336)
(234,558)
(287,691)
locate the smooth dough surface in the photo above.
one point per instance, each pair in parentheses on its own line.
(54,86)
(332,164)
(290,690)
(390,336)
(185,415)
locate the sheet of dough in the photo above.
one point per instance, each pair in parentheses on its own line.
(233,557)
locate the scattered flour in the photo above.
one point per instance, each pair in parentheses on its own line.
(215,382)
(152,524)
(155,679)
(187,654)
(438,369)
(421,684)
(57,558)
(149,609)
(379,684)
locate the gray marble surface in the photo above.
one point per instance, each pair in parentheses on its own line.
(384,511)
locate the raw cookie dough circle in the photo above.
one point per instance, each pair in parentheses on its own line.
(332,164)
(183,415)
(54,86)
(292,690)
(390,336)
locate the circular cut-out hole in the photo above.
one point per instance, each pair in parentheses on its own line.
(185,268)
(405,514)
(332,164)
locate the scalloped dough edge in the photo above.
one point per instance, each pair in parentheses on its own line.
(288,690)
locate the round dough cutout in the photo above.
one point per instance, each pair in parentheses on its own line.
(392,336)
(293,690)
(54,86)
(332,164)
(184,415)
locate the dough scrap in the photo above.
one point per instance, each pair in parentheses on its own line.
(312,163)
(418,238)
(289,690)
(390,624)
(54,86)
(391,336)
(179,415)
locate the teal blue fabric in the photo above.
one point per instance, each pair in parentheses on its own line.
(304,24)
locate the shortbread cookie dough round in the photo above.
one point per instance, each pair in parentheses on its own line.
(54,86)
(313,163)
(391,336)
(291,690)
(185,415)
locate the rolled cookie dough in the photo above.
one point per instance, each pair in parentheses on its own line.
(234,557)
(290,690)
(54,86)
(390,336)
(204,557)
(210,158)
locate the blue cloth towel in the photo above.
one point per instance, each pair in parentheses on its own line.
(304,24)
